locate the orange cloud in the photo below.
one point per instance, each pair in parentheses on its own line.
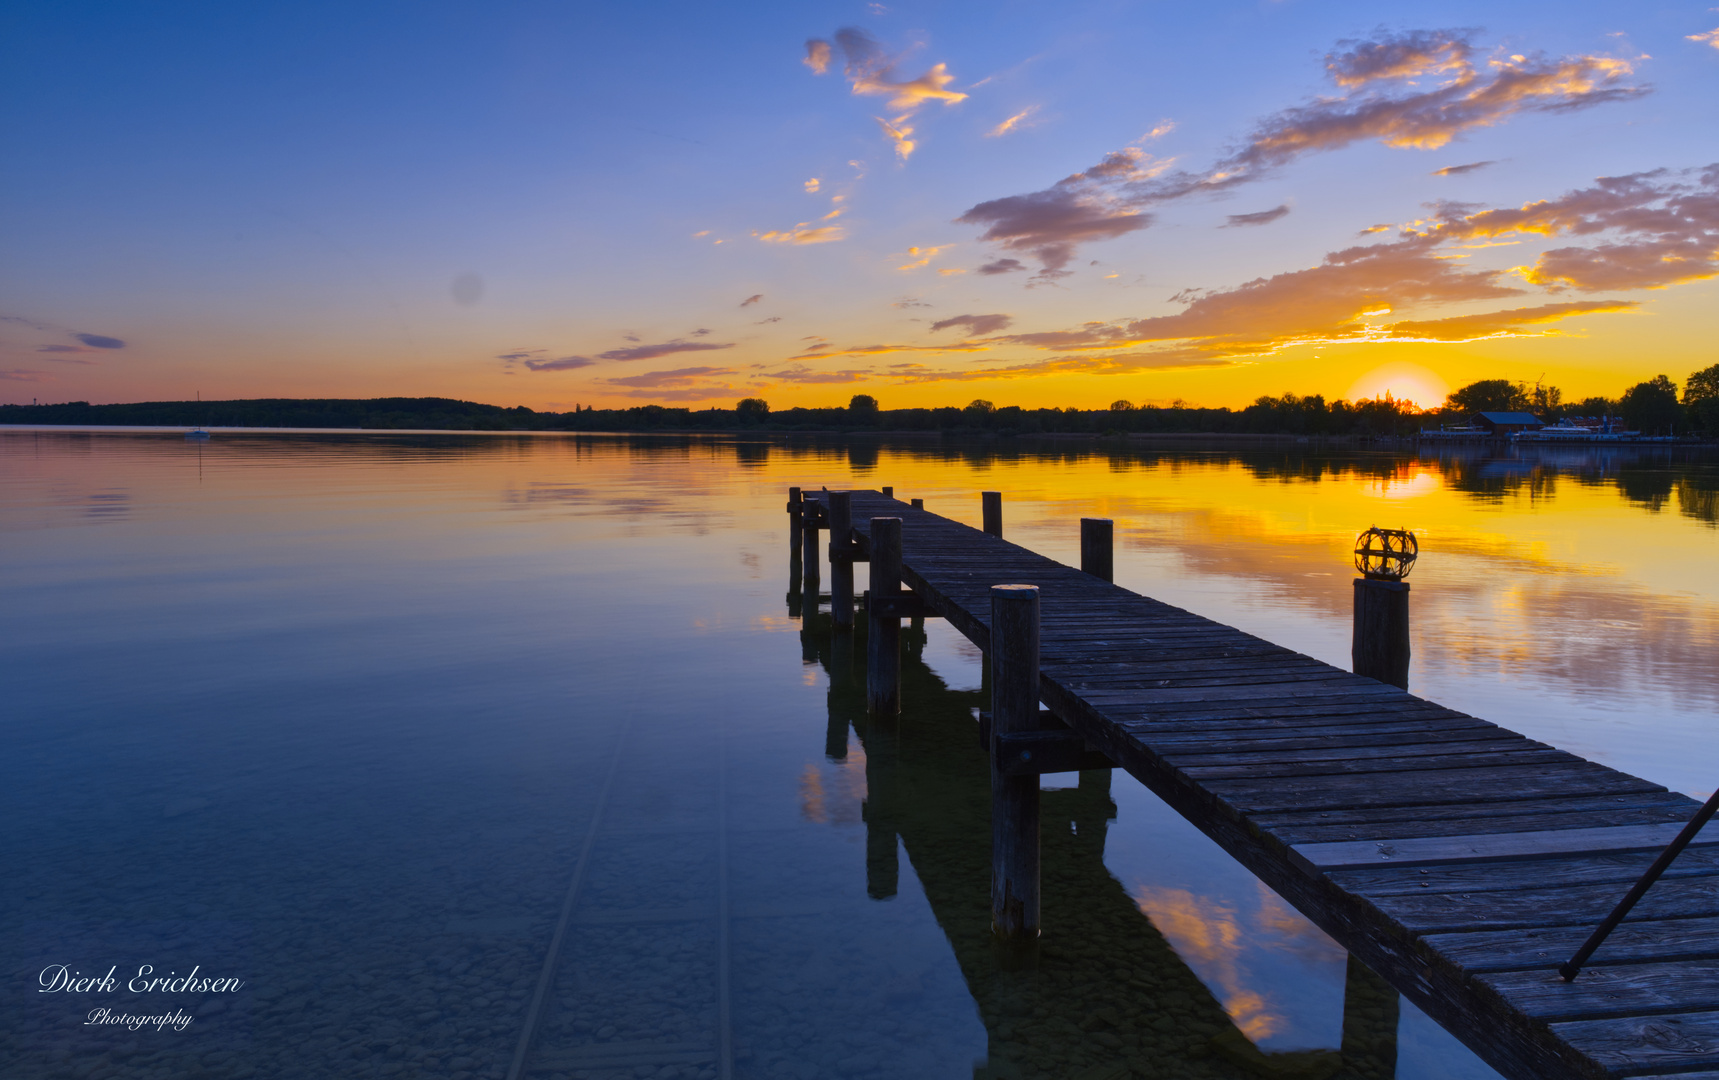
(923,256)
(900,134)
(1115,364)
(817,56)
(1711,37)
(1665,230)
(1340,301)
(872,71)
(1459,170)
(803,233)
(1508,323)
(1406,56)
(1012,123)
(1378,102)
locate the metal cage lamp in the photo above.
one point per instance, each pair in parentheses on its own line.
(1385,554)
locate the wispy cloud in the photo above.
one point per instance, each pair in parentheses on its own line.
(63,349)
(871,70)
(753,299)
(976,325)
(1261,217)
(1002,266)
(1458,170)
(1401,56)
(1711,37)
(539,360)
(922,256)
(805,375)
(817,56)
(667,348)
(1114,364)
(1049,224)
(1013,123)
(671,379)
(1381,97)
(1508,323)
(23,375)
(560,363)
(804,233)
(818,352)
(1663,226)
(100,341)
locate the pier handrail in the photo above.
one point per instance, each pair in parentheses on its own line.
(1572,967)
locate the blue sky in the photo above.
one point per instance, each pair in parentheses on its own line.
(523,203)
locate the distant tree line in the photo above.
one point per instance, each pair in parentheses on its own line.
(1655,407)
(1652,407)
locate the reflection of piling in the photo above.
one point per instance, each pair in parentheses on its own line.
(841,669)
(882,863)
(841,560)
(1014,663)
(991,503)
(1370,1016)
(1098,547)
(1380,648)
(883,630)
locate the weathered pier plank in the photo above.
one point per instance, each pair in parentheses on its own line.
(1459,859)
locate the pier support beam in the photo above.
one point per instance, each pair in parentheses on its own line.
(841,561)
(1380,648)
(991,504)
(1014,663)
(883,630)
(795,554)
(810,556)
(1098,547)
(1370,1017)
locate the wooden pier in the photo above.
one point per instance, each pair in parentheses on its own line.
(1460,860)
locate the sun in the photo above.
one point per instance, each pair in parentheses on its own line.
(1404,381)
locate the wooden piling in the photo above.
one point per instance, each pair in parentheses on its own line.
(794,521)
(918,504)
(889,493)
(1098,547)
(809,553)
(883,632)
(991,502)
(841,560)
(1014,663)
(1380,646)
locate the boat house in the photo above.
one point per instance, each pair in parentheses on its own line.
(1507,423)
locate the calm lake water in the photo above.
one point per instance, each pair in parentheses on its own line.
(355,718)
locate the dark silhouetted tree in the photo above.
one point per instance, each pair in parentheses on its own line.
(1489,395)
(863,407)
(1651,407)
(1122,405)
(1701,399)
(752,410)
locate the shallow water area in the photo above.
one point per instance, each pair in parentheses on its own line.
(432,739)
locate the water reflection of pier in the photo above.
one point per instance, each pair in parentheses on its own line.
(1109,997)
